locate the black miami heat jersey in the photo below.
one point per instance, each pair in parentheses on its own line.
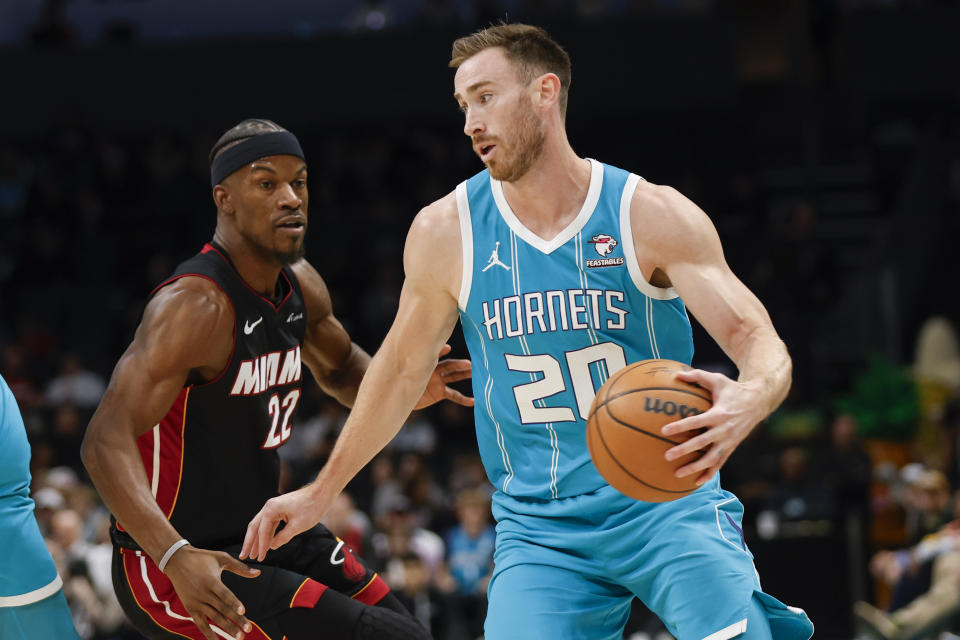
(212,460)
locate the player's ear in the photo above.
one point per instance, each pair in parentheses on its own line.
(221,197)
(548,90)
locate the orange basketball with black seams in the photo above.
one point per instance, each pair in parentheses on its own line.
(623,429)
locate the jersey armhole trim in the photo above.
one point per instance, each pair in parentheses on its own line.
(33,596)
(630,251)
(466,246)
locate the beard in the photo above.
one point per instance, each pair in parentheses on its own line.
(275,255)
(529,138)
(291,256)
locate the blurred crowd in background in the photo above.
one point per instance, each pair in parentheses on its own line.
(840,219)
(53,22)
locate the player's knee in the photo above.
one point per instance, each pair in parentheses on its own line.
(377,623)
(343,618)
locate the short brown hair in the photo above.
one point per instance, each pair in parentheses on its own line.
(528,46)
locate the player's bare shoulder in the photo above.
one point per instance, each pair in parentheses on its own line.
(666,224)
(188,323)
(316,295)
(433,253)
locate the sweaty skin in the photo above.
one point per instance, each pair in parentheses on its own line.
(678,247)
(187,333)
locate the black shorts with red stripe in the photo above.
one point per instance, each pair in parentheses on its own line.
(295,575)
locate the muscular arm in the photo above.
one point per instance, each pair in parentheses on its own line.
(187,326)
(402,366)
(396,378)
(336,362)
(675,239)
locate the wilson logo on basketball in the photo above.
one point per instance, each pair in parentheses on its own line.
(669,408)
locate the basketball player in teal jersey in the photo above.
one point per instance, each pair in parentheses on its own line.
(563,270)
(32,604)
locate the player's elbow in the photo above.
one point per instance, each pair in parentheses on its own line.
(88,452)
(413,367)
(92,449)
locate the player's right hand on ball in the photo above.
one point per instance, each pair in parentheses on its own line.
(195,574)
(300,510)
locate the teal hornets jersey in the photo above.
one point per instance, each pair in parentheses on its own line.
(27,572)
(549,321)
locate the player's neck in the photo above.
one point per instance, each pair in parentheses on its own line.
(260,274)
(550,195)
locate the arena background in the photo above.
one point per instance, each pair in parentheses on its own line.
(822,136)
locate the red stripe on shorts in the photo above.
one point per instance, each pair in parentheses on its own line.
(373,592)
(307,594)
(155,595)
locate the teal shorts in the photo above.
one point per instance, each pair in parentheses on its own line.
(569,568)
(42,620)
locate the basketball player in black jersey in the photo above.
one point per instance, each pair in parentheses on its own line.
(183,445)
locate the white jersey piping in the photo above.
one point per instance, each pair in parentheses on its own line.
(629,250)
(36,595)
(466,244)
(549,246)
(729,632)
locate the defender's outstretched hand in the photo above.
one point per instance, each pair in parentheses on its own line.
(438,388)
(736,410)
(195,576)
(300,510)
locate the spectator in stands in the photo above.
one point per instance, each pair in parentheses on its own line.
(846,467)
(470,556)
(426,498)
(797,495)
(385,487)
(87,582)
(75,385)
(65,437)
(401,534)
(417,435)
(938,607)
(18,379)
(429,604)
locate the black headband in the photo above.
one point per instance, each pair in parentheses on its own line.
(277,143)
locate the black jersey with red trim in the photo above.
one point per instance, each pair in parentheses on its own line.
(212,460)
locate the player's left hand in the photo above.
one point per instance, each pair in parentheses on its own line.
(736,410)
(438,388)
(299,510)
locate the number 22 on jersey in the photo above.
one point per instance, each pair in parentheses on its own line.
(275,407)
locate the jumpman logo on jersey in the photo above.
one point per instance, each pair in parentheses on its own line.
(495,259)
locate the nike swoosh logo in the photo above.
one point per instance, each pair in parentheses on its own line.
(333,556)
(248,328)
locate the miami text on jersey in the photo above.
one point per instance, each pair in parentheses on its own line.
(264,372)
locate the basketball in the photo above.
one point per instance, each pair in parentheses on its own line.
(623,429)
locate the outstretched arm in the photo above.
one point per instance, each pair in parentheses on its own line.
(338,364)
(186,327)
(681,247)
(396,378)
